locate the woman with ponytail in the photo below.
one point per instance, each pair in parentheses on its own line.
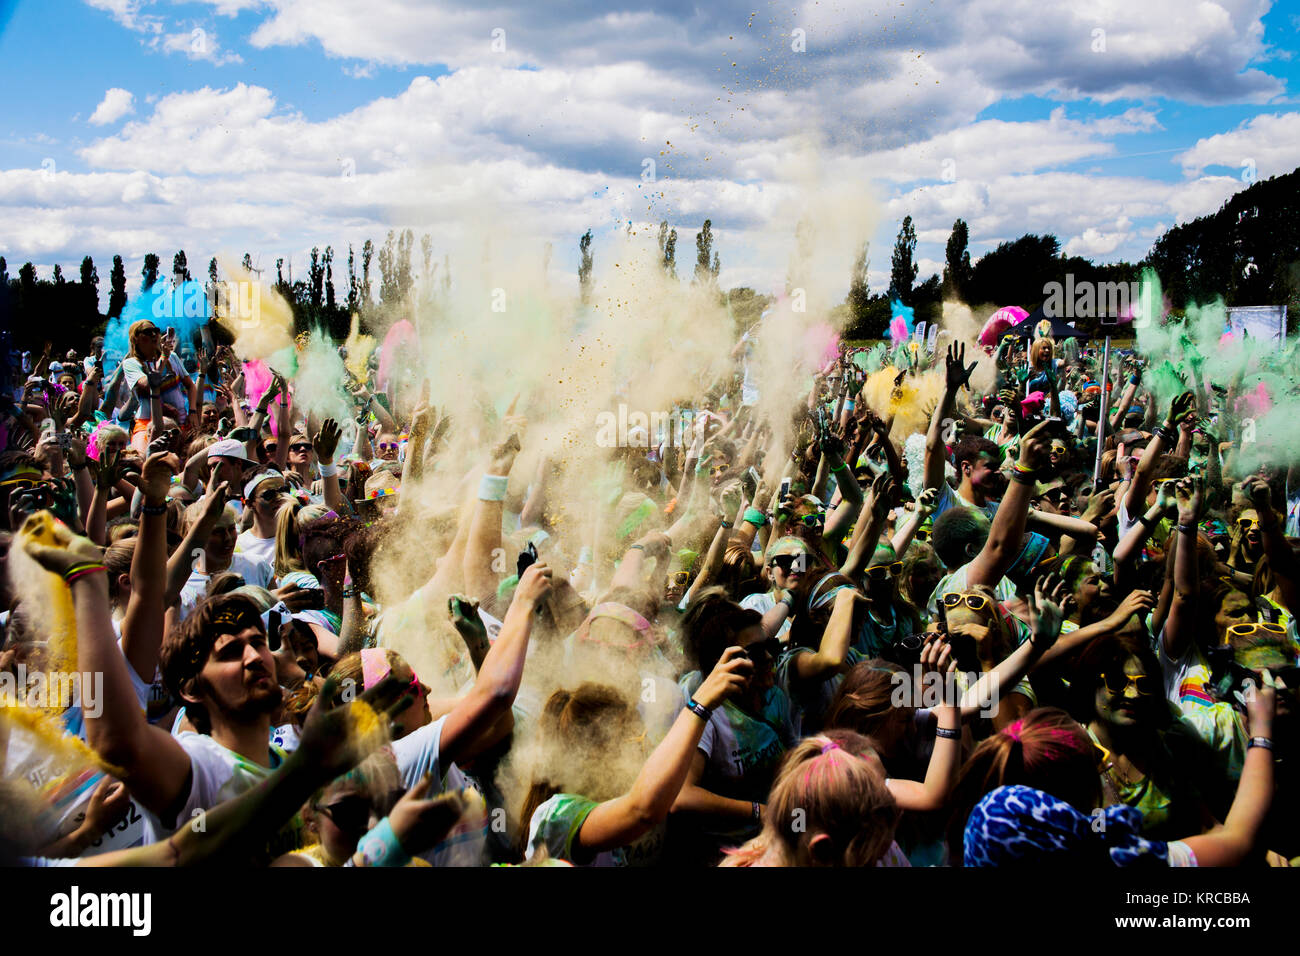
(830,806)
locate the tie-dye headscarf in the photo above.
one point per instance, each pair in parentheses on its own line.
(1021,825)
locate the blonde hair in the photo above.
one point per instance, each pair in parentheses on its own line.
(288,533)
(830,785)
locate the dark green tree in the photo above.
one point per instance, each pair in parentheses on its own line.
(90,285)
(706,262)
(902,270)
(668,249)
(957,267)
(584,267)
(117,288)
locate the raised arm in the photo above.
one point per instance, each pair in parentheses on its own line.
(1231,843)
(153,765)
(498,679)
(956,374)
(1007,531)
(618,822)
(1179,625)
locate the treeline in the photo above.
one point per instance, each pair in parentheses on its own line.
(66,313)
(1248,253)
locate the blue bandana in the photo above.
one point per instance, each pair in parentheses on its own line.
(1018,824)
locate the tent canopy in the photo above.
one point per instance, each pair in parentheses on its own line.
(1060,328)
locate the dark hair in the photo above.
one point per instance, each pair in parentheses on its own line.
(1102,655)
(710,625)
(971,447)
(186,647)
(955,530)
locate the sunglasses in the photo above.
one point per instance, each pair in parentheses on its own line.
(1245,630)
(883,572)
(152,333)
(1247,524)
(351,814)
(922,534)
(1119,683)
(976,602)
(789,562)
(813,521)
(301,446)
(679,579)
(388,446)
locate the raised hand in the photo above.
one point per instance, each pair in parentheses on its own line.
(337,738)
(1190,495)
(1036,447)
(109,471)
(156,476)
(1049,603)
(729,677)
(67,551)
(326,441)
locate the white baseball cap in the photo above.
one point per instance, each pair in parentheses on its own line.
(229,448)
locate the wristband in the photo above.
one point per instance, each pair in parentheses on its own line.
(849,405)
(787,601)
(492,487)
(81,570)
(758,811)
(1187,528)
(1146,522)
(1023,477)
(840,467)
(1262,742)
(947,734)
(755,517)
(636,547)
(725,524)
(380,847)
(153,509)
(698,709)
(328,471)
(1165,434)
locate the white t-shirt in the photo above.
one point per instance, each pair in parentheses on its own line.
(196,588)
(763,602)
(1216,722)
(217,775)
(948,497)
(172,393)
(259,549)
(417,754)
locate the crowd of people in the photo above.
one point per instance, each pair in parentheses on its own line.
(1056,626)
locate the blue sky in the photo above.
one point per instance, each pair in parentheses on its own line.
(290,123)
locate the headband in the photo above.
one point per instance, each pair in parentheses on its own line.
(374,666)
(624,615)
